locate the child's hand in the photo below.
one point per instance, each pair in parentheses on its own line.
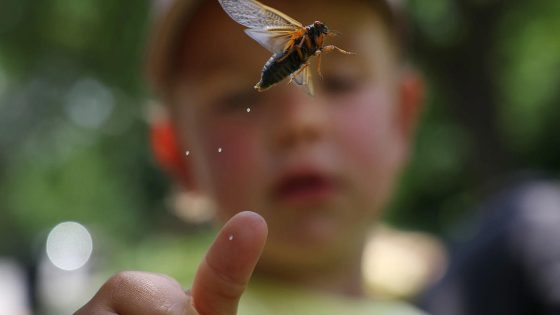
(219,283)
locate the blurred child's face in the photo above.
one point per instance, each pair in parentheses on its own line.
(319,169)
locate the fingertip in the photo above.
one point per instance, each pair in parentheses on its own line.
(251,220)
(246,233)
(229,263)
(249,215)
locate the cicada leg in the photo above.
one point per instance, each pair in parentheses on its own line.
(305,40)
(292,44)
(295,47)
(298,47)
(289,51)
(318,53)
(328,48)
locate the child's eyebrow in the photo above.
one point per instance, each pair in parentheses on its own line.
(220,78)
(221,75)
(222,71)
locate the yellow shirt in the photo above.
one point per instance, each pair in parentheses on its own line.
(179,258)
(273,299)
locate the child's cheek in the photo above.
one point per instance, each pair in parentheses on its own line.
(366,137)
(232,154)
(364,124)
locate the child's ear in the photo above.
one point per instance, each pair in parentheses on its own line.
(412,91)
(168,153)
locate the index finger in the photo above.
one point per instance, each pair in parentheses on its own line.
(228,265)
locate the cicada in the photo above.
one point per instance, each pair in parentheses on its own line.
(291,43)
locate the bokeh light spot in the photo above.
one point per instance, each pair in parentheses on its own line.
(89,103)
(69,246)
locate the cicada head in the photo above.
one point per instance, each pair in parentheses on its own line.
(321,28)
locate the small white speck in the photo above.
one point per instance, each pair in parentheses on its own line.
(187,153)
(231,237)
(248,109)
(220,150)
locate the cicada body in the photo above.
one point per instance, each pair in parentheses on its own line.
(291,43)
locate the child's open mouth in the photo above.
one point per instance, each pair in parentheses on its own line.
(305,188)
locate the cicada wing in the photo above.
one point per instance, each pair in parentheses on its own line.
(275,41)
(305,79)
(254,14)
(299,78)
(308,81)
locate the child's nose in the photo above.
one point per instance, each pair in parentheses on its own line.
(299,118)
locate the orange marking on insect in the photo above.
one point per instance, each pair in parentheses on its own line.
(291,43)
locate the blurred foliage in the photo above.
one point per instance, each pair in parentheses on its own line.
(493,69)
(72,123)
(73,138)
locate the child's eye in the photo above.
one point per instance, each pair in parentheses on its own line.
(238,101)
(340,84)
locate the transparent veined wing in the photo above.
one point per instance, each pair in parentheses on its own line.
(254,14)
(275,39)
(308,81)
(303,77)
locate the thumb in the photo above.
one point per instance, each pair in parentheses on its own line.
(228,265)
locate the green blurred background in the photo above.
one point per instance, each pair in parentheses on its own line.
(73,133)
